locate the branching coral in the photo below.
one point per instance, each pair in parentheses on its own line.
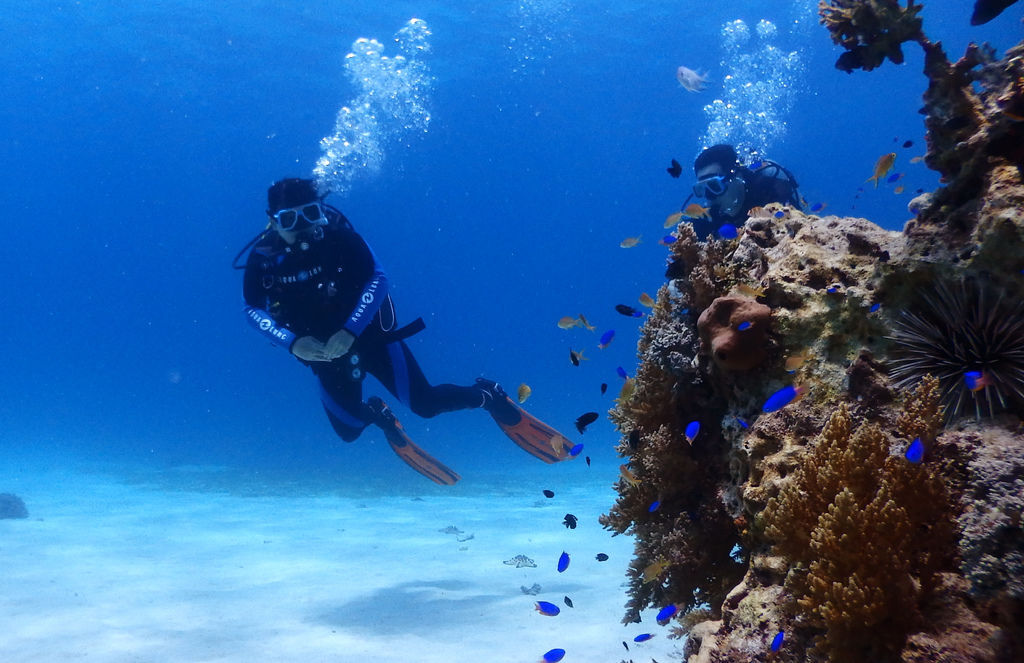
(866,532)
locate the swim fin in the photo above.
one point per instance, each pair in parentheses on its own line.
(406,449)
(531,434)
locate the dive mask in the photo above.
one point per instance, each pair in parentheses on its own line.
(289,218)
(710,187)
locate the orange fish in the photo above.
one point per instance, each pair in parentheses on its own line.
(695,211)
(523,392)
(626,393)
(750,291)
(757,212)
(917,160)
(630,242)
(568,322)
(587,325)
(655,569)
(794,362)
(898,189)
(646,300)
(628,476)
(673,220)
(882,166)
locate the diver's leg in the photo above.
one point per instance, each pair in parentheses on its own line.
(342,399)
(400,373)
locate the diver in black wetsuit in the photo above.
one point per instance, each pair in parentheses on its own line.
(313,286)
(731,189)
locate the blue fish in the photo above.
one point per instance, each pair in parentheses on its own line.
(576,449)
(875,307)
(832,289)
(780,214)
(782,398)
(554,655)
(654,506)
(892,178)
(756,165)
(606,338)
(744,326)
(692,429)
(742,422)
(621,372)
(817,207)
(643,637)
(777,641)
(563,562)
(727,231)
(668,239)
(666,613)
(547,609)
(915,452)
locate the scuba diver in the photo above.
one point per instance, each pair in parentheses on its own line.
(731,189)
(314,287)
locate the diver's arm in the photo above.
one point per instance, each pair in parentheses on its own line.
(359,259)
(264,323)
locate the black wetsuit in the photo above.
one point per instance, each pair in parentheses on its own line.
(769,184)
(334,282)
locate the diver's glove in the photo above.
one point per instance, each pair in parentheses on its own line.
(310,349)
(339,344)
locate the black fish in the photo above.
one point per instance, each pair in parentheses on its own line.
(986,10)
(625,645)
(585,420)
(568,602)
(570,521)
(634,438)
(628,311)
(588,461)
(604,387)
(549,493)
(601,557)
(675,270)
(908,143)
(675,170)
(574,358)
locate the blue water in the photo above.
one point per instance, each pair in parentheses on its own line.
(139,138)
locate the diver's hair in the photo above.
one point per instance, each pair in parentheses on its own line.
(723,155)
(291,192)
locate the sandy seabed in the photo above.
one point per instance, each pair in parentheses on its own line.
(110,570)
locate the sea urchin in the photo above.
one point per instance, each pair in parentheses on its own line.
(959,328)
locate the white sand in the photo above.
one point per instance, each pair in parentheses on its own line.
(107,571)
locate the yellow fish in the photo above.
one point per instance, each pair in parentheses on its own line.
(568,322)
(628,476)
(655,569)
(695,211)
(673,220)
(882,166)
(646,300)
(630,242)
(524,392)
(586,324)
(560,444)
(626,393)
(794,362)
(750,291)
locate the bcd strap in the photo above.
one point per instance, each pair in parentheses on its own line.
(402,333)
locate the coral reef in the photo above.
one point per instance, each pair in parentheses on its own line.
(809,519)
(12,506)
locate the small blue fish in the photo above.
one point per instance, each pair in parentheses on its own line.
(668,239)
(554,655)
(744,326)
(777,641)
(692,429)
(894,177)
(563,562)
(606,338)
(817,207)
(643,637)
(783,397)
(666,613)
(654,506)
(621,372)
(875,307)
(915,452)
(576,449)
(727,231)
(756,165)
(976,380)
(742,422)
(832,289)
(547,609)
(780,214)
